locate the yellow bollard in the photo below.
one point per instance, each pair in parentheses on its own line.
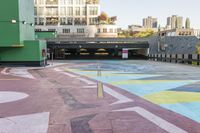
(100,93)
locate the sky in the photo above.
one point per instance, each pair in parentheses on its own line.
(133,11)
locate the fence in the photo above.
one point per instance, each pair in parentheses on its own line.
(177,58)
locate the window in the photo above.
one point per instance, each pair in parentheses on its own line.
(93,10)
(35,21)
(41,11)
(83,11)
(41,21)
(69,11)
(111,30)
(77,21)
(63,21)
(52,2)
(62,2)
(51,21)
(104,30)
(38,30)
(69,2)
(77,11)
(81,30)
(99,30)
(41,2)
(52,11)
(52,30)
(69,21)
(62,11)
(93,21)
(66,30)
(35,11)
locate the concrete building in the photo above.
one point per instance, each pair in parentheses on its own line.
(139,28)
(179,22)
(67,17)
(197,33)
(150,22)
(187,23)
(177,32)
(174,22)
(106,31)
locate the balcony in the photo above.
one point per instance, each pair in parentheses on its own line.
(51,2)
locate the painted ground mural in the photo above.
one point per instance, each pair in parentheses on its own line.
(171,89)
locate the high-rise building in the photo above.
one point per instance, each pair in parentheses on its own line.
(169,20)
(67,17)
(179,22)
(175,22)
(150,22)
(187,23)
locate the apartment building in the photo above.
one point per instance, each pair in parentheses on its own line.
(67,17)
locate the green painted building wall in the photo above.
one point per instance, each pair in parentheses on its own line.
(24,54)
(9,32)
(17,40)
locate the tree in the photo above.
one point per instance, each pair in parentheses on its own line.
(144,34)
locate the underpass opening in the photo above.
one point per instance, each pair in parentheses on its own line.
(102,53)
(98,48)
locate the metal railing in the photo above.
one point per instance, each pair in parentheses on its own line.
(193,59)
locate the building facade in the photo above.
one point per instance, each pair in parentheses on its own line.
(174,22)
(187,23)
(139,28)
(197,33)
(67,17)
(150,22)
(177,32)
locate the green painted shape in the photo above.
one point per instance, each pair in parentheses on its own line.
(15,34)
(32,51)
(172,97)
(45,35)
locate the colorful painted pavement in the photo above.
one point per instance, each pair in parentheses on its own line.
(180,95)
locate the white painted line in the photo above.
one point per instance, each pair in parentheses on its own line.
(66,73)
(19,72)
(10,96)
(70,75)
(90,86)
(4,71)
(32,123)
(171,128)
(121,98)
(57,69)
(89,82)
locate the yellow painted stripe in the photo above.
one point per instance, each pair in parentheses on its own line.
(145,81)
(172,97)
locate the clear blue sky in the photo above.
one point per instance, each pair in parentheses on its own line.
(132,11)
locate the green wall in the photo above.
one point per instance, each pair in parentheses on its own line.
(12,34)
(32,51)
(17,40)
(9,33)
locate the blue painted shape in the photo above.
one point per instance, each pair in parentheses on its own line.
(109,79)
(150,88)
(193,88)
(190,110)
